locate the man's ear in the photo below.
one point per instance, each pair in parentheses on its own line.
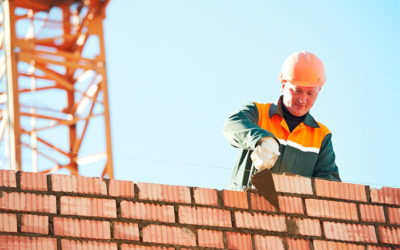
(282,85)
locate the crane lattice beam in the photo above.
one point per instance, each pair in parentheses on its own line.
(54,106)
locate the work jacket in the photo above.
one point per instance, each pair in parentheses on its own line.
(306,151)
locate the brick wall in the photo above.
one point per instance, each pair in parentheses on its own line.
(40,211)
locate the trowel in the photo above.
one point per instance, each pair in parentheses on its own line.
(264,183)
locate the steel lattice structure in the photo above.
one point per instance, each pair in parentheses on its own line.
(53,86)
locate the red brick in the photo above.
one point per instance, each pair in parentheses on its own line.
(92,245)
(204,216)
(138,247)
(146,211)
(372,213)
(390,235)
(7,178)
(308,227)
(235,199)
(8,222)
(210,238)
(205,196)
(91,229)
(119,188)
(169,235)
(33,181)
(331,245)
(289,204)
(349,232)
(88,206)
(126,231)
(268,242)
(258,202)
(294,244)
(260,221)
(386,195)
(35,224)
(378,248)
(292,184)
(332,209)
(340,190)
(78,184)
(19,242)
(239,241)
(158,192)
(28,202)
(394,215)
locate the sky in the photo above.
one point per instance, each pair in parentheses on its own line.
(176,70)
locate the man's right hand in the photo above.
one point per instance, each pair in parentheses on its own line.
(265,154)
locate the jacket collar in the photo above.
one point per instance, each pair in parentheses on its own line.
(277,109)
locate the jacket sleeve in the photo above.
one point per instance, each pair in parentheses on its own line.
(325,167)
(241,129)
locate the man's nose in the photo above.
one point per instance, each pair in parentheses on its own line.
(302,98)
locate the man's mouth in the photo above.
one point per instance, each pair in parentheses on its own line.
(299,106)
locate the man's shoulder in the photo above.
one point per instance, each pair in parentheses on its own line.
(263,104)
(323,127)
(267,108)
(310,121)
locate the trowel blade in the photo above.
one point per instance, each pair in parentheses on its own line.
(264,183)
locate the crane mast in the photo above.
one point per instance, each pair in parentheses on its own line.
(54,104)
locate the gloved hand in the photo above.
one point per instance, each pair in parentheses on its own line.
(265,154)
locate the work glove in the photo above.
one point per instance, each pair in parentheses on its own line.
(265,154)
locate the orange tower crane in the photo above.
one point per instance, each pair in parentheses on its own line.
(54,106)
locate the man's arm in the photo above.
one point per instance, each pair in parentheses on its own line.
(326,166)
(241,129)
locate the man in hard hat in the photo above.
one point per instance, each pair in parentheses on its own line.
(284,137)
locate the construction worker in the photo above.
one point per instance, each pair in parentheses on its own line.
(284,137)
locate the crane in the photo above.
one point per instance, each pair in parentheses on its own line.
(54,104)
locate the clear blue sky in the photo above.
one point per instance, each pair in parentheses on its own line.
(178,69)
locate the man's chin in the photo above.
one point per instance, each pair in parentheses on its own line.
(299,113)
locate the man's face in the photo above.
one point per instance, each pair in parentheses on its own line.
(299,100)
